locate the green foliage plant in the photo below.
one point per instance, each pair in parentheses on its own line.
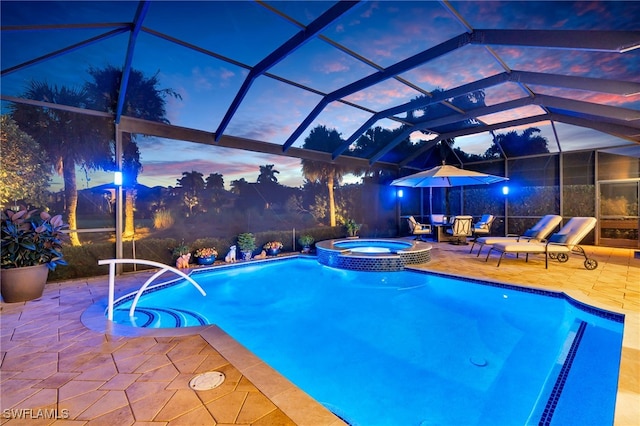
(352,227)
(306,240)
(30,239)
(180,250)
(246,242)
(24,166)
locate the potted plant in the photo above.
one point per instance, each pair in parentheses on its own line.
(247,244)
(206,255)
(305,241)
(31,246)
(352,228)
(180,250)
(273,247)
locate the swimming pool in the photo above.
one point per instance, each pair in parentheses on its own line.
(407,347)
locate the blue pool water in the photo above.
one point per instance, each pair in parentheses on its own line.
(408,348)
(372,246)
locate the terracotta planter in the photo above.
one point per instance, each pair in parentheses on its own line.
(22,284)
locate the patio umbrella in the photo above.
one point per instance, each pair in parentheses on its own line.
(445,177)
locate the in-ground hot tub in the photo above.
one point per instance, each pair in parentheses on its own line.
(372,254)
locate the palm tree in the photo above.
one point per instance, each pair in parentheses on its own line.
(238,186)
(215,181)
(215,193)
(192,182)
(143,100)
(515,144)
(322,139)
(69,139)
(267,174)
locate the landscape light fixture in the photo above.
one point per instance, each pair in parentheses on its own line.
(117,178)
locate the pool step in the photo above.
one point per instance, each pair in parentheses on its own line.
(162,317)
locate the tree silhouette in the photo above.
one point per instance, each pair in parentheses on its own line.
(69,139)
(214,191)
(516,144)
(267,174)
(214,181)
(143,100)
(191,182)
(239,185)
(322,139)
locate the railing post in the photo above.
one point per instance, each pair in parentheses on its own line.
(112,290)
(163,268)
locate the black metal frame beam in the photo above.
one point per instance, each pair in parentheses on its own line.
(298,40)
(368,81)
(65,50)
(141,13)
(609,41)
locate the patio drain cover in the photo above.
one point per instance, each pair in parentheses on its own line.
(207,381)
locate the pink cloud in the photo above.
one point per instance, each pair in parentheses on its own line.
(332,67)
(368,12)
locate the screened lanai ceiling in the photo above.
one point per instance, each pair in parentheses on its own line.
(261,75)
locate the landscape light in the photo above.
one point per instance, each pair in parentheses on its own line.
(117,178)
(400,193)
(505,190)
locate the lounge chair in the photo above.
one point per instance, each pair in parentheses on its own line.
(558,246)
(483,226)
(537,232)
(460,229)
(418,229)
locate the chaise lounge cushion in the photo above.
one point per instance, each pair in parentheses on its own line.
(558,238)
(569,236)
(529,247)
(538,232)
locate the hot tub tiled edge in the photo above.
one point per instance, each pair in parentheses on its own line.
(330,255)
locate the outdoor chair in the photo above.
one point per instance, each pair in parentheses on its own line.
(483,226)
(418,229)
(537,232)
(558,246)
(460,229)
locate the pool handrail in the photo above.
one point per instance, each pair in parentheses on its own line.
(164,268)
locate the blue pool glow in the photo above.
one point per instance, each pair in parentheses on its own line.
(372,246)
(409,348)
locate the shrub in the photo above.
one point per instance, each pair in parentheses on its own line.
(163,219)
(83,260)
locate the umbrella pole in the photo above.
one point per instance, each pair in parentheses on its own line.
(430,200)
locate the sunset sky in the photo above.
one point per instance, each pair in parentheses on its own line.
(243,33)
